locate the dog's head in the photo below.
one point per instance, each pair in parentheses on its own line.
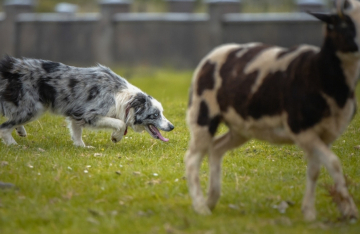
(147,114)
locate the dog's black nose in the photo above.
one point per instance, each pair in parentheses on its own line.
(171,127)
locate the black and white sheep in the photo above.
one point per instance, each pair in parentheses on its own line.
(303,95)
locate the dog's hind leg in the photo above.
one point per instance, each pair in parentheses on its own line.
(75,132)
(200,142)
(5,133)
(228,141)
(20,130)
(17,120)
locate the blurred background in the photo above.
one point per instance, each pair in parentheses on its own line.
(173,33)
(161,5)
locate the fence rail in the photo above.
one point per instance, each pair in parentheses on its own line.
(116,36)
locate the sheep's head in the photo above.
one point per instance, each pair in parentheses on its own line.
(343,26)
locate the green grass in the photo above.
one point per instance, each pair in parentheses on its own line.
(55,195)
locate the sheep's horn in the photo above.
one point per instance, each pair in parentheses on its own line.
(339,4)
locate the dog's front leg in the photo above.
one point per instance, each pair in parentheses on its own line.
(20,130)
(116,136)
(117,125)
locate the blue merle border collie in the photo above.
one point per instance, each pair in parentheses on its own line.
(93,97)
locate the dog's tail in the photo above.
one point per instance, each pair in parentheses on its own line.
(6,65)
(6,74)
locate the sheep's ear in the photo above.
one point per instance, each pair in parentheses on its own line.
(324,17)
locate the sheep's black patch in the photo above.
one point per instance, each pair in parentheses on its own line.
(333,79)
(302,90)
(297,90)
(341,36)
(206,78)
(203,118)
(268,100)
(214,124)
(236,85)
(50,67)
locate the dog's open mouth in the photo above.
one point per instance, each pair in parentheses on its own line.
(155,133)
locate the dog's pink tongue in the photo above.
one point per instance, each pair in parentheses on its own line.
(159,134)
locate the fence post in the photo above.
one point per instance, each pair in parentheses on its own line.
(104,39)
(186,6)
(217,9)
(8,33)
(67,9)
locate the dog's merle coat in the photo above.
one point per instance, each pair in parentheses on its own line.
(303,95)
(88,97)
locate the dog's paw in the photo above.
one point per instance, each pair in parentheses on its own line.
(115,140)
(116,136)
(8,140)
(21,131)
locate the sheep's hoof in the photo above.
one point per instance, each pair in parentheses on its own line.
(202,210)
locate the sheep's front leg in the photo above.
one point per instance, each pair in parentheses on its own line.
(308,205)
(320,153)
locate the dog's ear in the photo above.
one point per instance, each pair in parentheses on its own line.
(138,102)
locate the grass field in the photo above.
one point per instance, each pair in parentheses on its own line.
(138,185)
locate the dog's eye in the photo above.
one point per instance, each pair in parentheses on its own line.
(153,116)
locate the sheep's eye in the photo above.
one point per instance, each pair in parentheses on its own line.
(156,115)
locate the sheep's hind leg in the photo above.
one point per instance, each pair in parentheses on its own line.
(220,145)
(199,145)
